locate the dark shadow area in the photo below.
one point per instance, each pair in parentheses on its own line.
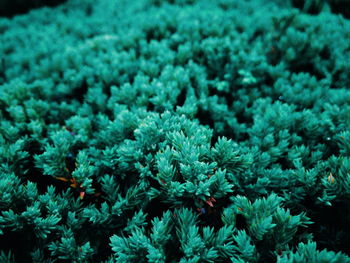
(311,7)
(306,67)
(314,7)
(18,244)
(331,225)
(340,7)
(10,8)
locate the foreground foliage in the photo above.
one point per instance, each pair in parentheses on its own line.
(175,131)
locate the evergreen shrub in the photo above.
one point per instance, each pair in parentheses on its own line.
(175,131)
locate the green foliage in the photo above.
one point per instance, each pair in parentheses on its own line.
(308,253)
(175,131)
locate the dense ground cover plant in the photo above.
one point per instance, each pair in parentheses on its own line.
(175,131)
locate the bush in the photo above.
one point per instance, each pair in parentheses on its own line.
(175,131)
